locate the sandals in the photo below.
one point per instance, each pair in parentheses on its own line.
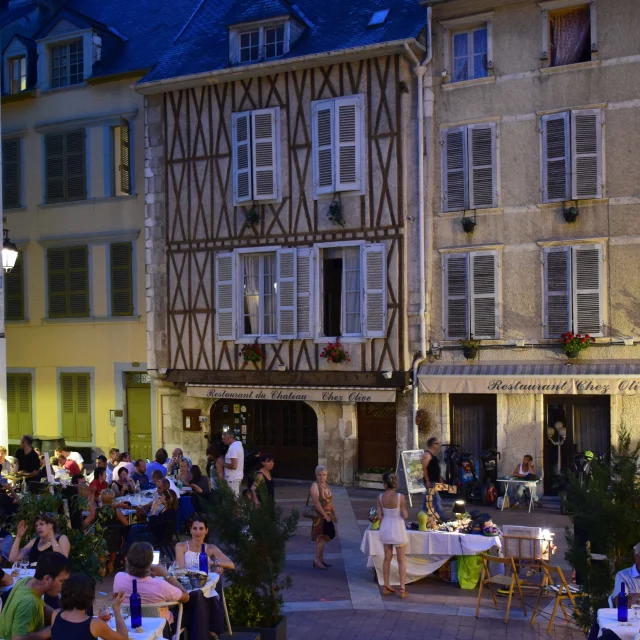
(403,593)
(315,565)
(387,591)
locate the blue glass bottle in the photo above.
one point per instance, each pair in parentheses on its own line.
(135,604)
(623,604)
(203,560)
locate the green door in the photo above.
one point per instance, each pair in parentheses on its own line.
(139,415)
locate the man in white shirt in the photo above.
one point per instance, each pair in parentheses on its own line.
(630,576)
(233,462)
(71,455)
(124,460)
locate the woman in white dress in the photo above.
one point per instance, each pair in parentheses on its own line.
(393,532)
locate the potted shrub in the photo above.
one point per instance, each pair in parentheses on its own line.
(469,224)
(571,213)
(574,343)
(335,212)
(334,352)
(252,353)
(255,538)
(252,216)
(470,348)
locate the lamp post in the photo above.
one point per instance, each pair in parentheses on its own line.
(9,252)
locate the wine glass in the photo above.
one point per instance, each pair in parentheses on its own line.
(635,607)
(24,564)
(104,613)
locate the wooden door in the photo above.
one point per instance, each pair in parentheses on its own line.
(139,416)
(376,435)
(473,422)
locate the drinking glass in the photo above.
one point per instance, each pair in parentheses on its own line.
(24,564)
(635,607)
(104,613)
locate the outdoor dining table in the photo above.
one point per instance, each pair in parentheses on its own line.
(531,485)
(608,619)
(151,628)
(22,573)
(426,551)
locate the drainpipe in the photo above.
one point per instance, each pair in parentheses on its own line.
(420,70)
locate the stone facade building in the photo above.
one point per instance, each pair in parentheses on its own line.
(535,120)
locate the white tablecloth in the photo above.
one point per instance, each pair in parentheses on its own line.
(426,551)
(209,589)
(26,573)
(608,619)
(152,628)
(135,501)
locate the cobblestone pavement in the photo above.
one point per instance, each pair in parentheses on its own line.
(345,602)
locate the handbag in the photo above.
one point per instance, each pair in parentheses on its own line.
(309,510)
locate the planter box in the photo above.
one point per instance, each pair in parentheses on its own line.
(279,632)
(370,481)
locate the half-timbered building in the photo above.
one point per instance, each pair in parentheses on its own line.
(280,220)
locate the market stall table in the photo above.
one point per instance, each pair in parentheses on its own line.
(426,551)
(531,484)
(151,628)
(608,619)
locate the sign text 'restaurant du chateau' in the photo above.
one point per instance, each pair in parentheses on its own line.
(292,394)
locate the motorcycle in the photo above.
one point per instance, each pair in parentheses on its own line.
(473,488)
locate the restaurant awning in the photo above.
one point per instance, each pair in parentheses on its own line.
(595,378)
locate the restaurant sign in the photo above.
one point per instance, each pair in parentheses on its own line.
(594,385)
(306,394)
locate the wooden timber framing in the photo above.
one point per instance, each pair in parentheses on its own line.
(201,218)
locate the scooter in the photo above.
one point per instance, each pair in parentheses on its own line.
(451,454)
(480,491)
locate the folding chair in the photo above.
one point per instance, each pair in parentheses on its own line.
(486,579)
(155,611)
(559,588)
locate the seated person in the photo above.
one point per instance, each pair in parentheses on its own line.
(5,460)
(107,513)
(72,621)
(176,458)
(71,455)
(163,510)
(70,465)
(140,476)
(164,481)
(124,461)
(519,492)
(153,581)
(158,463)
(184,473)
(25,614)
(101,463)
(99,483)
(123,486)
(526,467)
(45,541)
(9,499)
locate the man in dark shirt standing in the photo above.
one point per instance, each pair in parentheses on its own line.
(431,472)
(27,459)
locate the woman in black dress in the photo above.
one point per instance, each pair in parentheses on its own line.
(263,484)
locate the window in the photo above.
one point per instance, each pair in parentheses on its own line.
(121,170)
(65,170)
(573,290)
(67,64)
(570,36)
(338,132)
(19,403)
(470,54)
(14,291)
(572,155)
(75,392)
(11,173)
(471,295)
(250,46)
(274,42)
(469,167)
(256,152)
(18,74)
(68,280)
(378,18)
(259,293)
(273,293)
(121,266)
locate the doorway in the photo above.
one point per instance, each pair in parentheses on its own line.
(139,415)
(473,422)
(585,423)
(376,435)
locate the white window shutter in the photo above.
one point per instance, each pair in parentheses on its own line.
(323,147)
(484,292)
(287,294)
(483,189)
(305,297)
(374,269)
(454,169)
(557,290)
(456,302)
(555,157)
(266,172)
(586,153)
(241,124)
(587,289)
(225,275)
(349,119)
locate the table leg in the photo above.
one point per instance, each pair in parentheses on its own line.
(506,495)
(530,500)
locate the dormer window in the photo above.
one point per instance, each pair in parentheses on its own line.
(18,74)
(67,64)
(264,42)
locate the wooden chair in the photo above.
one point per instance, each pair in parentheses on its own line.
(505,581)
(555,584)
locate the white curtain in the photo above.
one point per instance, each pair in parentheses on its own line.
(353,292)
(570,37)
(251,294)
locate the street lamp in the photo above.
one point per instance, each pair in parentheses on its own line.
(9,253)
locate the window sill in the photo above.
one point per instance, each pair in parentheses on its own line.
(345,194)
(19,209)
(450,86)
(342,339)
(580,203)
(93,320)
(16,323)
(467,212)
(71,87)
(578,66)
(86,201)
(259,340)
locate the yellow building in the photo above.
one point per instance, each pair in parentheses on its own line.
(73,191)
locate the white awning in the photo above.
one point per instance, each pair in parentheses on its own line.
(588,378)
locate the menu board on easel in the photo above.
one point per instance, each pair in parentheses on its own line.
(409,473)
